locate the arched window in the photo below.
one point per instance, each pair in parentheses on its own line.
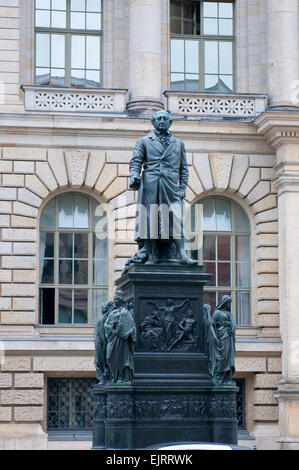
(73,261)
(226,255)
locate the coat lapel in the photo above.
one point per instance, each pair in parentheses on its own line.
(155,142)
(170,147)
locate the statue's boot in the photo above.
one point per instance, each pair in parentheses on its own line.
(180,244)
(187,261)
(151,252)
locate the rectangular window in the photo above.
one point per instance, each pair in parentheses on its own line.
(68,43)
(202,46)
(70,404)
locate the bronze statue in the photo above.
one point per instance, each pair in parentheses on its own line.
(120,332)
(161,189)
(102,368)
(221,342)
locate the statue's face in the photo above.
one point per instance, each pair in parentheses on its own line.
(162,121)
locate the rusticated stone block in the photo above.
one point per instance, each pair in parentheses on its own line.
(23,303)
(108,174)
(268,293)
(5,303)
(268,306)
(118,156)
(267,253)
(19,234)
(201,163)
(5,275)
(26,196)
(267,227)
(59,363)
(29,380)
(94,168)
(21,397)
(45,174)
(267,280)
(25,275)
(221,164)
(250,180)
(5,380)
(240,166)
(13,181)
(265,413)
(264,397)
(76,162)
(261,190)
(18,318)
(267,239)
(26,168)
(33,183)
(270,320)
(57,163)
(18,290)
(118,186)
(22,222)
(28,413)
(24,209)
(267,381)
(5,413)
(16,363)
(262,160)
(250,364)
(274,364)
(265,204)
(16,153)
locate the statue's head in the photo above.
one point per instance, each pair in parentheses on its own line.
(224,302)
(107,307)
(162,121)
(118,298)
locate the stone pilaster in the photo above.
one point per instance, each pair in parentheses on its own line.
(282,51)
(145,60)
(283,133)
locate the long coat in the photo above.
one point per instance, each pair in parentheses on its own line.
(164,179)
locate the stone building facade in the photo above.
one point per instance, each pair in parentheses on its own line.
(242,147)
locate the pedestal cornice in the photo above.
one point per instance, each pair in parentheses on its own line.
(278,127)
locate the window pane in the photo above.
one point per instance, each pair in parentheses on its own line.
(92,53)
(92,79)
(78,20)
(188,27)
(93,21)
(177,81)
(210,268)
(47,306)
(57,51)
(209,221)
(175,26)
(58,19)
(42,18)
(81,212)
(78,78)
(78,52)
(191,56)
(48,248)
(65,245)
(228,81)
(210,299)
(225,57)
(241,219)
(42,76)
(78,5)
(226,27)
(243,308)
(81,245)
(80,272)
(211,57)
(242,248)
(43,4)
(47,219)
(188,11)
(209,252)
(65,208)
(65,306)
(42,50)
(210,26)
(100,273)
(58,4)
(224,274)
(211,82)
(93,5)
(225,10)
(243,274)
(177,55)
(210,9)
(223,215)
(192,82)
(175,8)
(99,296)
(99,247)
(80,306)
(57,77)
(224,248)
(65,272)
(47,271)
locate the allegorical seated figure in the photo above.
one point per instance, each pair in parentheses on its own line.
(120,332)
(159,171)
(220,340)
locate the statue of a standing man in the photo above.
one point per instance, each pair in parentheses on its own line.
(161,187)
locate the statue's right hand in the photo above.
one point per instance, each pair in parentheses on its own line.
(135,182)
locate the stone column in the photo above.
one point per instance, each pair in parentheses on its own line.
(283,52)
(145,55)
(287,182)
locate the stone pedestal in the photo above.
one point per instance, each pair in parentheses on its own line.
(172,397)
